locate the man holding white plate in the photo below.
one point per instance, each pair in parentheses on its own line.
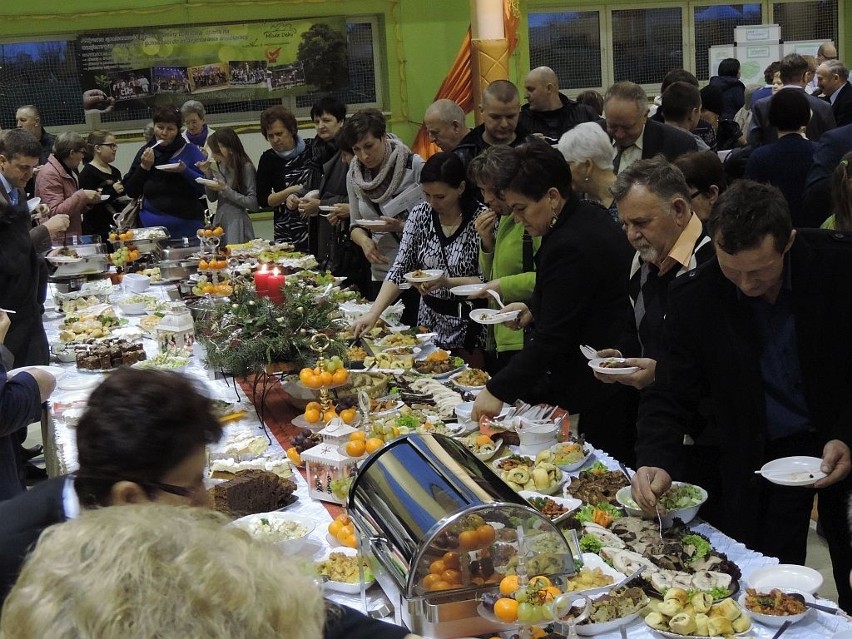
(748,333)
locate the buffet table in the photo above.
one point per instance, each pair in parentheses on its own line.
(61,455)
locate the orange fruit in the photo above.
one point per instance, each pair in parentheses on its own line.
(355,448)
(348,415)
(441,585)
(329,415)
(326,378)
(350,541)
(451,576)
(483,440)
(469,540)
(430,579)
(334,527)
(314,405)
(218,231)
(552,593)
(344,518)
(304,375)
(540,581)
(374,443)
(486,535)
(437,567)
(358,434)
(509,584)
(506,609)
(312,415)
(451,560)
(294,456)
(312,382)
(340,376)
(202,264)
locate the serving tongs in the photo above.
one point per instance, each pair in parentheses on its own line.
(810,604)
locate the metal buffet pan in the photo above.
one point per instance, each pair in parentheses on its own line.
(425,498)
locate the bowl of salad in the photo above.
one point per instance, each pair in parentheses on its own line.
(288,532)
(681,500)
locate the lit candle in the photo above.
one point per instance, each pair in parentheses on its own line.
(275,281)
(261,281)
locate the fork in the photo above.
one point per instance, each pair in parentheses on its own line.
(496,296)
(657,510)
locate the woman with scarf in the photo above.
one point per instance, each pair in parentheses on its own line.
(383,186)
(195,129)
(283,171)
(164,173)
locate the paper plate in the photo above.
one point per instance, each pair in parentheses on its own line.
(595,365)
(370,223)
(467,289)
(166,167)
(32,203)
(492,316)
(424,275)
(785,577)
(206,182)
(793,471)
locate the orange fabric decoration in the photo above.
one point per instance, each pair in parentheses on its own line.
(457,84)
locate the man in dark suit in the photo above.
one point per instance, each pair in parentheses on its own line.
(142,438)
(831,148)
(635,136)
(793,69)
(833,79)
(746,334)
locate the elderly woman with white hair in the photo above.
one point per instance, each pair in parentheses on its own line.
(589,153)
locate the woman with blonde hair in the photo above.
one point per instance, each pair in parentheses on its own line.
(589,153)
(141,571)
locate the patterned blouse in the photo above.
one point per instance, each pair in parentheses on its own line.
(424,246)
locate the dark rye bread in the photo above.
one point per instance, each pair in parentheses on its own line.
(251,491)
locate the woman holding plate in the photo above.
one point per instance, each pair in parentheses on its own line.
(439,236)
(580,297)
(163,173)
(382,188)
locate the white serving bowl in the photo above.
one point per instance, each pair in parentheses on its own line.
(786,577)
(464,411)
(288,545)
(776,620)
(136,283)
(536,436)
(131,308)
(686,515)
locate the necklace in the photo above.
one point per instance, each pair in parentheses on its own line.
(449,229)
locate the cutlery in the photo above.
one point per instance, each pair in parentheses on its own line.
(782,629)
(657,510)
(623,631)
(629,578)
(786,473)
(496,296)
(589,352)
(809,604)
(8,310)
(625,471)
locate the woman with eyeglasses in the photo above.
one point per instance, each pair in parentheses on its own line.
(57,183)
(100,174)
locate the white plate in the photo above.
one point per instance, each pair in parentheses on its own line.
(466,290)
(785,577)
(344,586)
(78,382)
(588,454)
(592,561)
(63,259)
(595,365)
(593,629)
(674,635)
(56,371)
(166,167)
(570,503)
(774,621)
(793,471)
(104,197)
(33,203)
(492,316)
(289,545)
(370,223)
(327,209)
(427,275)
(206,182)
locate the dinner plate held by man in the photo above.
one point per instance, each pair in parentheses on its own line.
(33,203)
(492,316)
(798,470)
(611,366)
(421,276)
(169,167)
(368,224)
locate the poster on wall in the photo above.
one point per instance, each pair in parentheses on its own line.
(211,63)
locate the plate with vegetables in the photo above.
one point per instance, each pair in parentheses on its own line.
(682,500)
(555,508)
(569,456)
(340,571)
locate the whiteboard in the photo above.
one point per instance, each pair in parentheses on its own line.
(754,58)
(718,53)
(803,47)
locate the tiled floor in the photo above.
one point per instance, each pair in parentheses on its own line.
(817,549)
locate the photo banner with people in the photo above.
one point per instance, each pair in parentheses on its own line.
(212,63)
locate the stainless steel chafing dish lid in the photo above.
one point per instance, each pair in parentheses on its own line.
(410,492)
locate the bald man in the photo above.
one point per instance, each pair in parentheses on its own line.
(500,108)
(826,52)
(547,111)
(444,121)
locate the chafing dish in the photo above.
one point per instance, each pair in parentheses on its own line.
(424,498)
(180,249)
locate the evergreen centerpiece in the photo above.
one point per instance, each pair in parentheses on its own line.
(252,333)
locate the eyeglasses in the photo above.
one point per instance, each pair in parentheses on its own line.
(113,146)
(181,491)
(694,195)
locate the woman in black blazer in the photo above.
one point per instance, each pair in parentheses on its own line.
(580,297)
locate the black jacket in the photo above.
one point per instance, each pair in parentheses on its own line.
(842,107)
(733,94)
(760,131)
(831,148)
(552,124)
(472,144)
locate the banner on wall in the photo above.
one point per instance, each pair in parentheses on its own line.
(212,63)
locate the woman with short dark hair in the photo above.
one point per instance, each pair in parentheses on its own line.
(100,174)
(282,171)
(164,173)
(58,182)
